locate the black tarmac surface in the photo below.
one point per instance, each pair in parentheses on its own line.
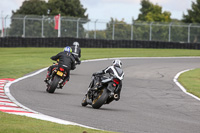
(150,101)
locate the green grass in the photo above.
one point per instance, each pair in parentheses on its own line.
(191,81)
(16,62)
(22,124)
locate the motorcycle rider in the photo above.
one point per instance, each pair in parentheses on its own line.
(76,52)
(115,68)
(65,59)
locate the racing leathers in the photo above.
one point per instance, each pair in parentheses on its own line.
(66,60)
(76,52)
(114,70)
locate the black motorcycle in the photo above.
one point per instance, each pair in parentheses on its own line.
(102,90)
(56,79)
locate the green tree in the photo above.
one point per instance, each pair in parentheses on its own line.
(193,14)
(32,7)
(151,16)
(72,8)
(153,13)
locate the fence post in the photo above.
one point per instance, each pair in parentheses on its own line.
(77,33)
(24,26)
(2,24)
(113,33)
(150,34)
(5,26)
(59,28)
(189,32)
(170,31)
(132,30)
(42,25)
(95,34)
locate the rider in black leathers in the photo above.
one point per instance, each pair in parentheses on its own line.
(65,59)
(76,52)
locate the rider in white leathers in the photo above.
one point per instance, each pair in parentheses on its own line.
(114,69)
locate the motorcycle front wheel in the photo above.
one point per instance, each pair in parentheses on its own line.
(53,85)
(100,99)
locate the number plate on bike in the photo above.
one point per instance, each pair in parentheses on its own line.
(60,73)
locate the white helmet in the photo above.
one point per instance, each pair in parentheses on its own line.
(117,63)
(76,44)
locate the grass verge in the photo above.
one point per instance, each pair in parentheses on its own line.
(16,62)
(191,81)
(21,124)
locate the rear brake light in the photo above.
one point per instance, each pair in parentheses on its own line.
(116,81)
(61,69)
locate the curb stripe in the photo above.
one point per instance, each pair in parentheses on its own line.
(14,111)
(9,106)
(6,105)
(3,97)
(5,101)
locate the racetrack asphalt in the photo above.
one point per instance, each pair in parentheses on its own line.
(150,101)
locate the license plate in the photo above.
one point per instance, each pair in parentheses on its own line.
(60,73)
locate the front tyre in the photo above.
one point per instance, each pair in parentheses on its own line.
(53,85)
(101,99)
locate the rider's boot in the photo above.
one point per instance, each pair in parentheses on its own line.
(47,78)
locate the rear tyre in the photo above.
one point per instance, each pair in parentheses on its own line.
(53,85)
(101,99)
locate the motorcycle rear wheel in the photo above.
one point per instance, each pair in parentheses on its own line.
(53,85)
(101,99)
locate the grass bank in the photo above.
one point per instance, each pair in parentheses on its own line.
(16,62)
(21,124)
(191,81)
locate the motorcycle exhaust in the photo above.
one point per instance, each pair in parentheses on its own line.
(116,96)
